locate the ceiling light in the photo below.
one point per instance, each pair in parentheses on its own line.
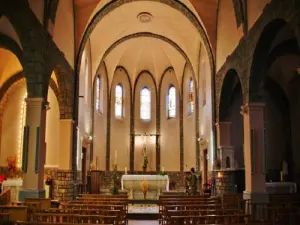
(144,17)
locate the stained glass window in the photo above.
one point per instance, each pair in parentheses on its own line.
(191,96)
(145,104)
(172,102)
(119,101)
(98,94)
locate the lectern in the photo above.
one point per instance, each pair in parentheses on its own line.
(95,181)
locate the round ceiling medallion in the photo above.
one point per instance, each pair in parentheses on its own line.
(144,17)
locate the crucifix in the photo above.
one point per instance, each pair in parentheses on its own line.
(144,135)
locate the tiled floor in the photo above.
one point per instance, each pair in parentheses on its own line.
(142,222)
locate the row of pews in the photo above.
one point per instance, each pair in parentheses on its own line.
(228,209)
(201,209)
(86,209)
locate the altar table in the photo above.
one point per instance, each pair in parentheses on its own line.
(281,188)
(156,184)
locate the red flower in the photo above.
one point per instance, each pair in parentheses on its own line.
(2,178)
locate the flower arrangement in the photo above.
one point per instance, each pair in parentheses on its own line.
(116,181)
(145,163)
(145,187)
(48,180)
(12,165)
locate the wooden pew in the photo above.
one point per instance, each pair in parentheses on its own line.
(5,197)
(16,212)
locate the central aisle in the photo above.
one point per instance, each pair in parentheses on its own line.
(142,222)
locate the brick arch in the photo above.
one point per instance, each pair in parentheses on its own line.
(8,43)
(230,83)
(10,86)
(65,81)
(241,59)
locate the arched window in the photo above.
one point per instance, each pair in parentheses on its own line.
(119,101)
(98,94)
(191,96)
(145,104)
(172,102)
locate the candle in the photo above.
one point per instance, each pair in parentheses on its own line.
(163,169)
(116,156)
(125,170)
(281,176)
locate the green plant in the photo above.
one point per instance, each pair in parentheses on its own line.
(162,173)
(145,163)
(114,190)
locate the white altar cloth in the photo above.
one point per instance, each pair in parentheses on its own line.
(127,181)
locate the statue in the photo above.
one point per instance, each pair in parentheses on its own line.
(284,171)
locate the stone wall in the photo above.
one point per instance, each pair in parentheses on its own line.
(63,186)
(229,181)
(177,179)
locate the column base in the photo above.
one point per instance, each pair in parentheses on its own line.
(256,197)
(31,194)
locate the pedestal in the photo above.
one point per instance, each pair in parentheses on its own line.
(95,181)
(15,186)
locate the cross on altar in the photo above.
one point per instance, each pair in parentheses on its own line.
(144,135)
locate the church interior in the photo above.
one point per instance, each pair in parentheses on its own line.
(170,112)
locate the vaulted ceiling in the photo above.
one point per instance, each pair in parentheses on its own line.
(145,35)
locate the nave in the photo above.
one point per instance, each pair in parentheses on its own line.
(173,209)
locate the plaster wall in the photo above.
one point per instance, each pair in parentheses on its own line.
(254,10)
(142,126)
(170,128)
(37,6)
(189,123)
(11,127)
(120,127)
(205,107)
(100,122)
(228,35)
(237,127)
(63,31)
(7,29)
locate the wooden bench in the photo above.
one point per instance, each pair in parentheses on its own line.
(16,212)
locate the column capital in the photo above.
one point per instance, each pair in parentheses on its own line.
(34,100)
(220,123)
(252,106)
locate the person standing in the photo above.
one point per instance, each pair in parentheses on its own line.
(193,182)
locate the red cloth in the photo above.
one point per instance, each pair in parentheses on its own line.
(2,178)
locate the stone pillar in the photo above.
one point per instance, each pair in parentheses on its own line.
(66,144)
(34,149)
(253,152)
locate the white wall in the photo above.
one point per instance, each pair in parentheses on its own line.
(120,127)
(189,124)
(100,122)
(170,133)
(63,32)
(142,126)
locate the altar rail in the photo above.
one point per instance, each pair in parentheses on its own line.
(5,197)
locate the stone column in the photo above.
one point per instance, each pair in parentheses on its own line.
(34,149)
(66,144)
(253,152)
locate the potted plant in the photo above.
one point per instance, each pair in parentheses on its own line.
(145,163)
(11,166)
(48,180)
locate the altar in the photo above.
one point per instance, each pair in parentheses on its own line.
(15,186)
(155,185)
